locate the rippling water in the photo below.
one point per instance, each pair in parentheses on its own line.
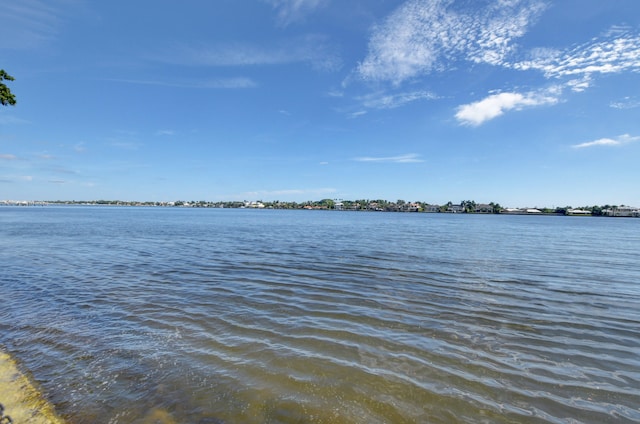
(134,315)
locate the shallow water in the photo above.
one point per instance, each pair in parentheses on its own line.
(144,315)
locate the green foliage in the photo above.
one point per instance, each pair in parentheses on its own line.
(6,97)
(468,206)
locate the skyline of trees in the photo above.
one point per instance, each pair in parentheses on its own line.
(376,205)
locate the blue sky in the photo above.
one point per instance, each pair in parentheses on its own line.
(520,102)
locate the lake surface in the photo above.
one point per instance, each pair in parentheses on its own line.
(170,315)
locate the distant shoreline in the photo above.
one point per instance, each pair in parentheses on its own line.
(465,207)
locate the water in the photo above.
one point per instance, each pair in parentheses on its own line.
(144,315)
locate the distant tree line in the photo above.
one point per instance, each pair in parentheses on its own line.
(377,205)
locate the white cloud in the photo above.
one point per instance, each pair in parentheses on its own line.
(491,107)
(599,142)
(391,101)
(408,158)
(425,35)
(8,156)
(620,140)
(580,84)
(291,11)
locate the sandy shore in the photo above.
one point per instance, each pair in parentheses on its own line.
(20,398)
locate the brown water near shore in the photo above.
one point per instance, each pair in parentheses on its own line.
(22,401)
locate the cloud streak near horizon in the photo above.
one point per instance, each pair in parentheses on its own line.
(408,158)
(618,141)
(286,192)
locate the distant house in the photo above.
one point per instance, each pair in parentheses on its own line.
(522,211)
(432,208)
(374,206)
(412,207)
(578,212)
(484,208)
(455,209)
(513,211)
(622,211)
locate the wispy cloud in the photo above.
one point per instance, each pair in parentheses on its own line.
(292,11)
(28,23)
(425,35)
(491,107)
(357,114)
(12,120)
(625,103)
(271,194)
(62,170)
(618,141)
(616,51)
(312,49)
(15,178)
(383,100)
(408,158)
(165,132)
(8,156)
(218,83)
(125,145)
